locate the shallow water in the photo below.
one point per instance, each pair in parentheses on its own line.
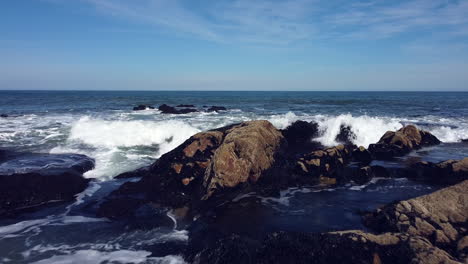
(103,126)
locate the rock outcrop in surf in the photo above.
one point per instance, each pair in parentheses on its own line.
(28,181)
(401,142)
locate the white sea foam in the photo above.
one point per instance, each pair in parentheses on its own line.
(367,129)
(119,256)
(102,133)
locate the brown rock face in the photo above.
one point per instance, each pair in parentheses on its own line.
(207,162)
(401,142)
(328,163)
(441,217)
(247,150)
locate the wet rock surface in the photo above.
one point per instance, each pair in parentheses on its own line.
(394,144)
(30,180)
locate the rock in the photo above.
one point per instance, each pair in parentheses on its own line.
(346,135)
(362,155)
(28,181)
(441,217)
(215,161)
(142,107)
(464,140)
(166,109)
(216,108)
(4,115)
(327,163)
(335,247)
(185,105)
(401,142)
(299,137)
(446,172)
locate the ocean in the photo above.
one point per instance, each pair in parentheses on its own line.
(103,126)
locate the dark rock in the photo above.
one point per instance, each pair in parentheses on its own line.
(446,172)
(346,135)
(334,247)
(31,180)
(210,162)
(401,142)
(166,109)
(299,137)
(142,107)
(464,140)
(185,105)
(133,174)
(4,115)
(362,155)
(216,108)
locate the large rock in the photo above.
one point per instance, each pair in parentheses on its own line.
(215,161)
(401,142)
(441,217)
(28,181)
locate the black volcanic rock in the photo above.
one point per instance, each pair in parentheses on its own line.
(142,107)
(28,181)
(216,108)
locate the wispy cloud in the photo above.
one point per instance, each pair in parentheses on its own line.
(288,21)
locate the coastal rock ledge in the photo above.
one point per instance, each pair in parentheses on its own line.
(430,229)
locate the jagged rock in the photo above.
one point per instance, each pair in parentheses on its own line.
(142,107)
(166,109)
(441,217)
(28,181)
(401,142)
(209,162)
(216,108)
(326,165)
(346,135)
(446,172)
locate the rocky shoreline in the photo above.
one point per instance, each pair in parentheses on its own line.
(199,179)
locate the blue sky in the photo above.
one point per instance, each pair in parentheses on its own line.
(234,44)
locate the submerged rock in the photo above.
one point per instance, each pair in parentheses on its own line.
(31,180)
(401,142)
(216,108)
(215,161)
(185,105)
(4,115)
(166,109)
(142,107)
